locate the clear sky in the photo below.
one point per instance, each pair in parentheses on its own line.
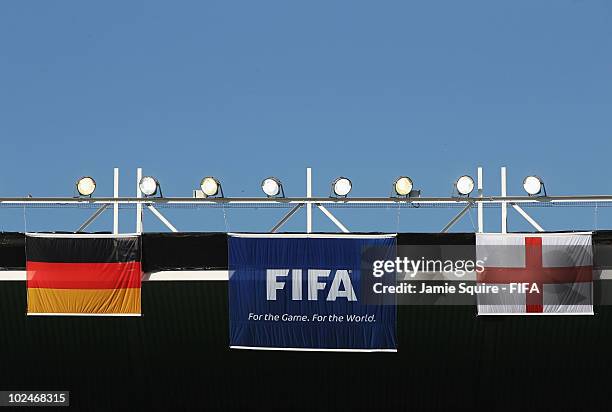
(244,90)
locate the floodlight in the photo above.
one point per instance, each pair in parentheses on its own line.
(403,186)
(86,186)
(272,187)
(341,186)
(464,185)
(210,186)
(533,185)
(149,185)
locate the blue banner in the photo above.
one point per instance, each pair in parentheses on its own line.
(290,291)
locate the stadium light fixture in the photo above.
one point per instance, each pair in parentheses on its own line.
(464,185)
(86,186)
(403,186)
(272,187)
(211,187)
(341,186)
(534,185)
(149,186)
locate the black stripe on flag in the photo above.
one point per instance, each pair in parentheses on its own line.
(82,250)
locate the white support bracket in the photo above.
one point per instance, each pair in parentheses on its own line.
(93,217)
(528,218)
(286,218)
(333,218)
(504,205)
(139,204)
(457,217)
(116,205)
(162,218)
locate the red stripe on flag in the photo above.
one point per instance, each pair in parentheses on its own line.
(534,302)
(574,274)
(84,275)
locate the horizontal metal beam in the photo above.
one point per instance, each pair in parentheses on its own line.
(324,200)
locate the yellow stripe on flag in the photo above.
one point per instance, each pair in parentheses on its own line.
(97,301)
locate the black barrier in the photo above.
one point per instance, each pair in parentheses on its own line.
(12,251)
(176,357)
(204,250)
(184,251)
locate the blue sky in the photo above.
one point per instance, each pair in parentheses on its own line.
(244,90)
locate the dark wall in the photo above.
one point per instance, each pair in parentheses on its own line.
(197,250)
(176,356)
(191,251)
(12,250)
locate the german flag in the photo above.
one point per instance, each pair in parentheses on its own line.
(83,274)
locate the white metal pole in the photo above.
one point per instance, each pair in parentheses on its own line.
(333,218)
(309,204)
(138,205)
(116,205)
(480,182)
(504,205)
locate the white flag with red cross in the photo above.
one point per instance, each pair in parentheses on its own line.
(544,273)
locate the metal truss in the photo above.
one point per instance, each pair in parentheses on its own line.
(479,201)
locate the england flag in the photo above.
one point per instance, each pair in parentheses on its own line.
(549,273)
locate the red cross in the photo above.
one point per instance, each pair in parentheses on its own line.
(535,272)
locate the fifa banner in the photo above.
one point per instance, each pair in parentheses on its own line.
(303,292)
(544,273)
(83,274)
